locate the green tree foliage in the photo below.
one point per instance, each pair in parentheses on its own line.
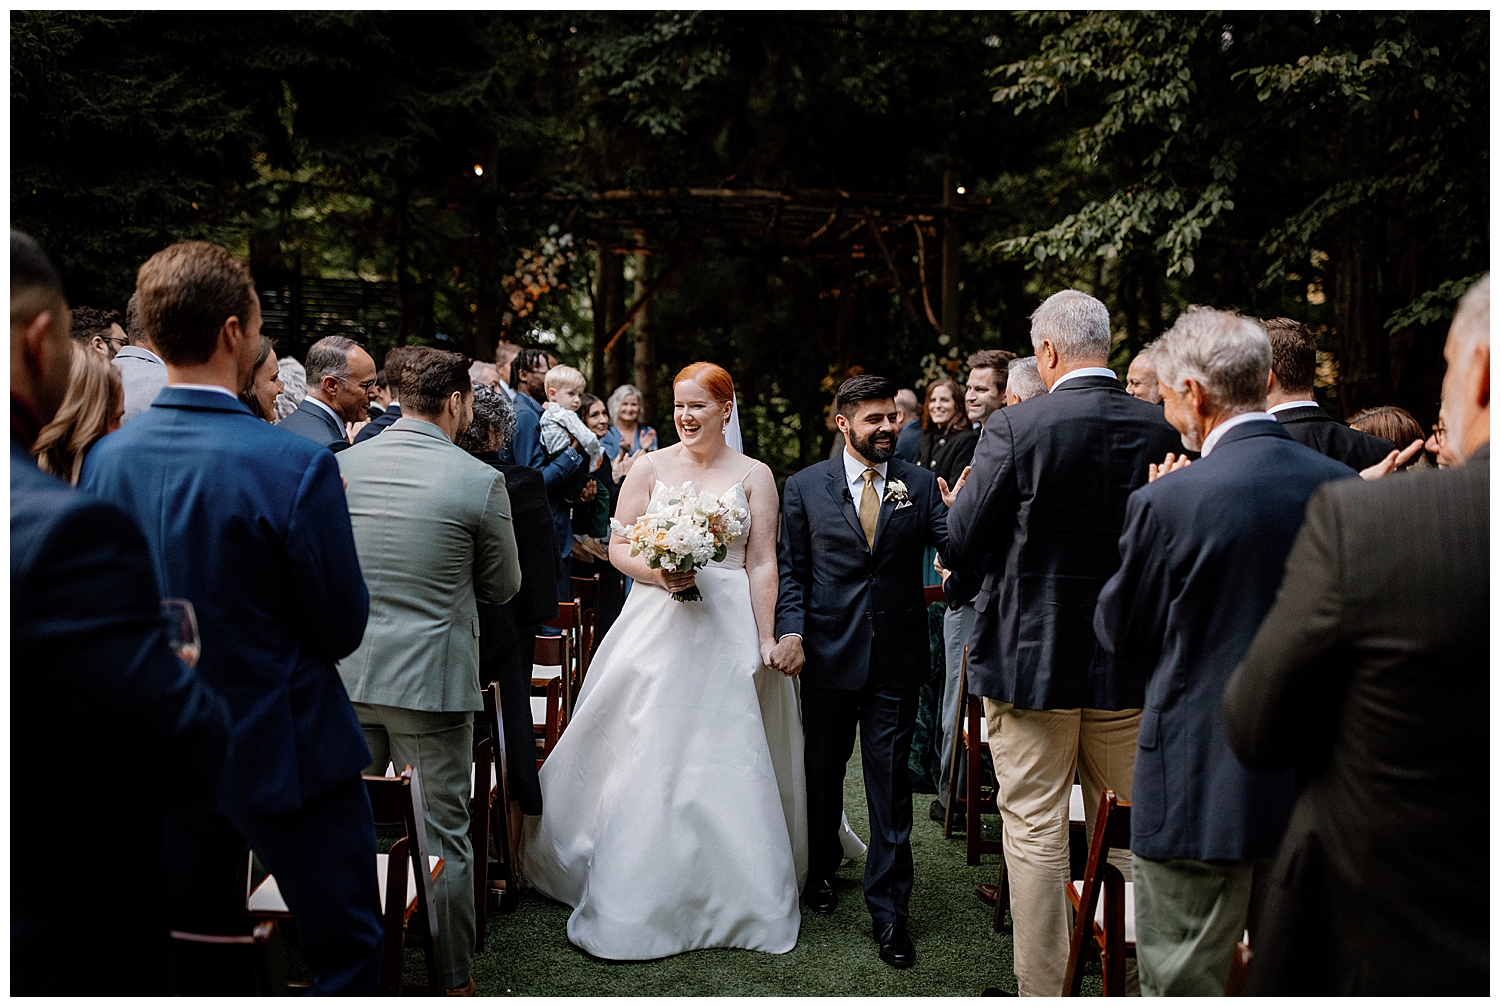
(1333,168)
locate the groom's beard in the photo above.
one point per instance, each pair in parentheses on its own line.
(878,447)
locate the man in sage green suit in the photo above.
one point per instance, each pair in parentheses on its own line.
(432,526)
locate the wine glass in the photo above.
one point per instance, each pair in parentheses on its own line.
(182,629)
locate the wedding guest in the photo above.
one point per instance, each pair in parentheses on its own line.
(1022,381)
(948,438)
(505,631)
(910,430)
(87,642)
(626,428)
(985,389)
(142,372)
(1294,363)
(265,383)
(432,545)
(1039,521)
(1363,680)
(92,408)
(1437,445)
(382,396)
(1202,555)
(529,375)
(1140,380)
(591,523)
(99,330)
(294,383)
(340,381)
(505,353)
(481,373)
(1395,425)
(394,361)
(248,522)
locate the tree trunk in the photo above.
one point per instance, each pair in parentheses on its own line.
(1362,346)
(404,325)
(645,343)
(951,256)
(612,295)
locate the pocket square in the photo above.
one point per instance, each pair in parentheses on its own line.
(903,505)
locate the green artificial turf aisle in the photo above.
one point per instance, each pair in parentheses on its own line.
(958,954)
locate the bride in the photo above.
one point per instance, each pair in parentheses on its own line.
(674,805)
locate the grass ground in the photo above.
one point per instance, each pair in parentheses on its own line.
(958,954)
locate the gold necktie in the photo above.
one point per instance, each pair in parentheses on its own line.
(869,507)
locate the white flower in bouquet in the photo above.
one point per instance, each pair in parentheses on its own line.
(686,532)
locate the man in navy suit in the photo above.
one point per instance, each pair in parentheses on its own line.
(854,530)
(1039,518)
(1202,556)
(393,361)
(340,385)
(249,523)
(87,638)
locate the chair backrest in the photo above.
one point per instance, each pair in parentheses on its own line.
(1239,970)
(229,964)
(397,800)
(586,591)
(932,594)
(496,724)
(567,616)
(552,650)
(1111,832)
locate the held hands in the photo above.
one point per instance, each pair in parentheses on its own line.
(942,571)
(677,580)
(786,656)
(1171,463)
(949,495)
(1391,462)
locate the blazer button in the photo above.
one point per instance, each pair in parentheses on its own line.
(870,615)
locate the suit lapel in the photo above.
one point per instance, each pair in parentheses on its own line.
(887,505)
(837,486)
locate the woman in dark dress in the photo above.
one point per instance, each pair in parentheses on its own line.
(947,442)
(506,631)
(591,513)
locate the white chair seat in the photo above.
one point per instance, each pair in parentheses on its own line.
(1075,806)
(267,898)
(538,710)
(547,671)
(1129,908)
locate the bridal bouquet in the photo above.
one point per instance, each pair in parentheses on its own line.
(686,532)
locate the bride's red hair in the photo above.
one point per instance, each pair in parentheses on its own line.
(714,379)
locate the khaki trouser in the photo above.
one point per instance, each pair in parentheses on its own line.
(1037,753)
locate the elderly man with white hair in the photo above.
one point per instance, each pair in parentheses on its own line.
(1201,559)
(1022,381)
(1038,519)
(1370,679)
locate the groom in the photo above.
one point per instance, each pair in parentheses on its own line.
(854,530)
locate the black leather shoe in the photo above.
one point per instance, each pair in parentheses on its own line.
(821,896)
(938,814)
(896,948)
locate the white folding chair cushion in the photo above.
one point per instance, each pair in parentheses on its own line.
(267,898)
(1075,806)
(547,671)
(1129,908)
(538,710)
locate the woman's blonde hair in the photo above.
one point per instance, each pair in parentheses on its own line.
(94,397)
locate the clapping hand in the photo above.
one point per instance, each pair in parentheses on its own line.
(1391,462)
(949,495)
(786,656)
(1171,463)
(648,440)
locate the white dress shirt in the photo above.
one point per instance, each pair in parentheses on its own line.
(1218,432)
(325,407)
(1299,404)
(207,388)
(1084,372)
(854,475)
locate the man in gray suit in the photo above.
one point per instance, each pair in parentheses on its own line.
(1370,677)
(142,372)
(432,526)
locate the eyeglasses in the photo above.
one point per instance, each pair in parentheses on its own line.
(364,385)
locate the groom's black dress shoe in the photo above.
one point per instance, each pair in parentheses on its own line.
(896,948)
(821,896)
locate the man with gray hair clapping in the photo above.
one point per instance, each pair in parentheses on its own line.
(1039,520)
(1201,558)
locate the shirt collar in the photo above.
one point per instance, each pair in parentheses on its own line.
(1084,372)
(140,353)
(324,406)
(205,388)
(1218,432)
(854,468)
(1299,404)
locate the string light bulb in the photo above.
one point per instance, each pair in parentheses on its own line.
(962,190)
(479,169)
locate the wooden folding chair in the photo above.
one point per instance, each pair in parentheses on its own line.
(405,876)
(491,821)
(569,620)
(1103,926)
(1239,970)
(1002,881)
(222,964)
(550,660)
(586,594)
(932,594)
(970,736)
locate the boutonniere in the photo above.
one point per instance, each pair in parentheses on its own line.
(895,491)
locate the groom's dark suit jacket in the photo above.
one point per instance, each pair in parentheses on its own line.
(842,597)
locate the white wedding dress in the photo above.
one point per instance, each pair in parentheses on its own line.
(675,803)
